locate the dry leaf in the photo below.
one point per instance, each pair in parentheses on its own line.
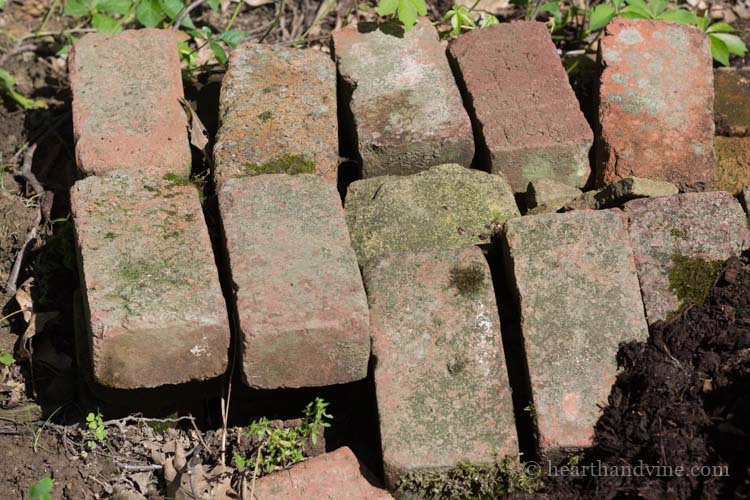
(198,133)
(257,3)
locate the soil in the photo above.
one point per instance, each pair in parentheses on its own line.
(682,400)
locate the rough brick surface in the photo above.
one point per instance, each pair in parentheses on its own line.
(656,109)
(579,298)
(406,108)
(155,313)
(277,104)
(337,475)
(440,377)
(445,207)
(302,306)
(708,225)
(526,112)
(732,87)
(126,110)
(733,155)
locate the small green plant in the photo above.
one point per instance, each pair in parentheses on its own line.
(407,11)
(6,358)
(468,280)
(285,164)
(723,39)
(96,432)
(691,278)
(8,88)
(42,489)
(463,18)
(280,448)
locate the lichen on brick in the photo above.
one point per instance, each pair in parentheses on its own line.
(469,280)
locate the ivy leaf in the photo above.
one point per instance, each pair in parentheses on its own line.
(719,50)
(149,13)
(601,15)
(680,16)
(233,37)
(105,24)
(120,7)
(388,7)
(77,8)
(219,52)
(407,13)
(734,44)
(720,28)
(6,359)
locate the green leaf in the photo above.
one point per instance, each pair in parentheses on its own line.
(6,359)
(172,8)
(703,22)
(720,28)
(121,7)
(601,15)
(41,490)
(149,13)
(658,6)
(719,50)
(105,24)
(214,4)
(488,20)
(734,44)
(77,8)
(635,12)
(387,7)
(219,52)
(407,13)
(421,6)
(2,4)
(7,82)
(617,3)
(233,37)
(680,16)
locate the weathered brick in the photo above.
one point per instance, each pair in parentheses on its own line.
(337,475)
(302,307)
(448,206)
(126,110)
(711,226)
(576,282)
(656,104)
(527,114)
(631,188)
(278,113)
(405,107)
(733,155)
(732,87)
(155,313)
(440,377)
(545,195)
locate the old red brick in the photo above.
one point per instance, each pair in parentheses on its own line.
(441,380)
(126,111)
(656,109)
(527,114)
(337,475)
(303,312)
(154,310)
(575,277)
(405,107)
(278,113)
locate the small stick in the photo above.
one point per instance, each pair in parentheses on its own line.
(26,172)
(186,13)
(140,468)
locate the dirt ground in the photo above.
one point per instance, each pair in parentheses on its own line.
(44,403)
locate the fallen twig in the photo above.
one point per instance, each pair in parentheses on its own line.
(29,47)
(139,468)
(186,12)
(28,174)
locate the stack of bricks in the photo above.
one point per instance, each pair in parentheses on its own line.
(151,289)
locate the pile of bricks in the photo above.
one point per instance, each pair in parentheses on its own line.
(414,271)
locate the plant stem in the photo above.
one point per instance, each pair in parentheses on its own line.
(321,14)
(275,21)
(47,16)
(186,12)
(234,15)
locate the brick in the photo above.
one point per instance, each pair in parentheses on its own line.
(337,475)
(733,155)
(527,115)
(707,225)
(155,313)
(732,87)
(278,113)
(631,188)
(576,282)
(404,105)
(126,110)
(549,196)
(448,206)
(303,313)
(440,377)
(656,104)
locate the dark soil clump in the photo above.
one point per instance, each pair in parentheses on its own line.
(682,401)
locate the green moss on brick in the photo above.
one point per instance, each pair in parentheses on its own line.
(468,280)
(691,278)
(265,116)
(177,180)
(284,164)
